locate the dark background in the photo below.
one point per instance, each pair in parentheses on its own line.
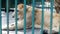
(12,2)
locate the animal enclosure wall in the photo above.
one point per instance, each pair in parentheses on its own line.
(33,5)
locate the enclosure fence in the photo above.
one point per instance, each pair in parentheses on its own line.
(33,5)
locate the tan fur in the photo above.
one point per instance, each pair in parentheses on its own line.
(57,5)
(37,16)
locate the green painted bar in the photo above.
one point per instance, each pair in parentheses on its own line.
(59,25)
(59,22)
(16,17)
(24,16)
(51,16)
(33,5)
(7,10)
(42,20)
(0,19)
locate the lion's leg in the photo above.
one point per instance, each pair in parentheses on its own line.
(13,25)
(20,25)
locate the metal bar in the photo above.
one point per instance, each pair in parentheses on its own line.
(16,17)
(59,23)
(7,10)
(51,16)
(24,16)
(0,19)
(42,20)
(33,5)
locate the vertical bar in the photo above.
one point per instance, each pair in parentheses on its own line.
(33,5)
(42,22)
(0,19)
(16,16)
(59,22)
(24,16)
(7,10)
(51,16)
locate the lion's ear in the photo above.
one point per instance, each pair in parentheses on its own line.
(20,6)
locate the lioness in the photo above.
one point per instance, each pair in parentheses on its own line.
(37,16)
